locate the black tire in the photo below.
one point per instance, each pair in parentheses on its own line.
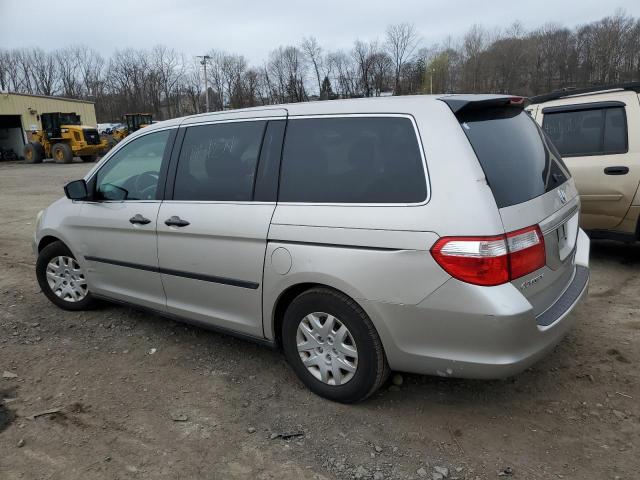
(33,152)
(372,368)
(61,153)
(48,253)
(89,158)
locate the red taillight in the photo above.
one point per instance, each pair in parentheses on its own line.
(491,261)
(477,260)
(526,251)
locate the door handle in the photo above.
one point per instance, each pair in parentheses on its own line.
(139,219)
(616,170)
(176,221)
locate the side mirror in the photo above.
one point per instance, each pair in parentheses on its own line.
(76,190)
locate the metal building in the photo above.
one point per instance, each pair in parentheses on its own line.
(20,113)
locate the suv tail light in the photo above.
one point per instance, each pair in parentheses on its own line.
(494,260)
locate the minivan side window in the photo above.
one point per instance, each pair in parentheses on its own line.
(352,160)
(218,162)
(132,173)
(597,131)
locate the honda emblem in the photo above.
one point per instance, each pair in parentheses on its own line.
(563,196)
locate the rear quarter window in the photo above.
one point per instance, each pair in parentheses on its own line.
(352,160)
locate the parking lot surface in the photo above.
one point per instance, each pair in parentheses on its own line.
(118,394)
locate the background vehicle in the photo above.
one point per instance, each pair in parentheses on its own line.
(597,131)
(63,137)
(106,128)
(132,123)
(336,241)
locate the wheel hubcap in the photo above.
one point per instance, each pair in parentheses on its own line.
(66,279)
(327,348)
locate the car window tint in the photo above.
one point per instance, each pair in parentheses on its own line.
(615,131)
(132,173)
(352,160)
(519,162)
(218,162)
(588,132)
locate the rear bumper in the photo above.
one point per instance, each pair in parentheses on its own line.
(462,330)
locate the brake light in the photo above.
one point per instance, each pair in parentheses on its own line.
(526,251)
(490,261)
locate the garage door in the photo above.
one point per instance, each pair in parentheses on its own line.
(11,136)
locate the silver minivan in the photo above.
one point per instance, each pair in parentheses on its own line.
(429,234)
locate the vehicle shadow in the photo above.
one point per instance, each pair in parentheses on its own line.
(611,250)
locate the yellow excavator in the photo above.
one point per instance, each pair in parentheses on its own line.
(63,137)
(133,122)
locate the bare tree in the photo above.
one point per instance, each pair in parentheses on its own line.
(313,52)
(9,74)
(67,60)
(344,73)
(402,40)
(363,54)
(473,46)
(167,83)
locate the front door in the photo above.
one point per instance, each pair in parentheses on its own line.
(602,157)
(118,237)
(212,234)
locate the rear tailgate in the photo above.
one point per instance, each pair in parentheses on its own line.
(531,186)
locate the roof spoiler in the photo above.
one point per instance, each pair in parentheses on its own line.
(567,92)
(465,103)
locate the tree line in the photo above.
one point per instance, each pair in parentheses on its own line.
(168,83)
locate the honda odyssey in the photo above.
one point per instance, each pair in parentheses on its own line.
(429,234)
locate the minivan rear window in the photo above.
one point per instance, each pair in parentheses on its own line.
(352,160)
(519,161)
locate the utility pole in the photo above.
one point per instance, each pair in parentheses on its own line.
(431,87)
(203,62)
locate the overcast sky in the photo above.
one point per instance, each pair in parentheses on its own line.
(254,27)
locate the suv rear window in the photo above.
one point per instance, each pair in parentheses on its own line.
(352,160)
(519,161)
(598,131)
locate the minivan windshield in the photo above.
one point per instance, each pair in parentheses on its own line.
(519,161)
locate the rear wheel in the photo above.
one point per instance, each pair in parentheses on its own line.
(62,279)
(89,158)
(61,153)
(333,347)
(33,152)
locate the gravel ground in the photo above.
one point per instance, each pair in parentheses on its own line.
(128,395)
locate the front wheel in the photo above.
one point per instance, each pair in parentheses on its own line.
(62,279)
(33,152)
(333,347)
(62,153)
